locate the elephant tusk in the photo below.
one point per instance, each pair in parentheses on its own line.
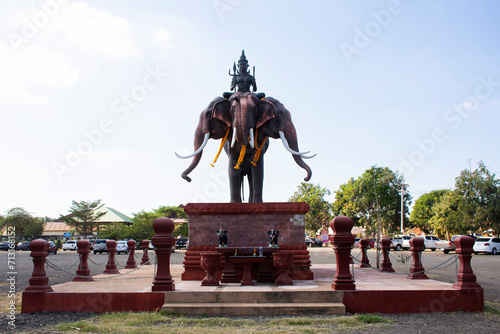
(252,138)
(285,143)
(233,141)
(205,141)
(309,156)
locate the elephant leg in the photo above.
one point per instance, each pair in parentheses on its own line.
(235,180)
(257,181)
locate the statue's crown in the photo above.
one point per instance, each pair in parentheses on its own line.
(243,59)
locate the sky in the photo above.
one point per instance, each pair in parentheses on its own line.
(96,96)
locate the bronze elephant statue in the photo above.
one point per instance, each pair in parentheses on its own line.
(245,123)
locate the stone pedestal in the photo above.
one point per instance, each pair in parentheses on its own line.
(210,263)
(416,269)
(386,261)
(111,267)
(466,279)
(283,262)
(83,271)
(342,241)
(363,244)
(131,264)
(247,225)
(38,282)
(163,241)
(145,256)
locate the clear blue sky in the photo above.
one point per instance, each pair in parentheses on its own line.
(97,96)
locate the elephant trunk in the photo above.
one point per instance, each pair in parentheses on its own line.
(198,141)
(290,139)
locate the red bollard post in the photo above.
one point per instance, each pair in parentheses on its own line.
(145,257)
(83,271)
(416,269)
(111,266)
(163,241)
(386,262)
(466,279)
(365,263)
(131,251)
(39,280)
(342,241)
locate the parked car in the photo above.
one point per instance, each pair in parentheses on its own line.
(4,245)
(100,246)
(405,242)
(397,243)
(23,245)
(487,245)
(92,243)
(121,247)
(314,242)
(432,242)
(69,245)
(181,243)
(52,247)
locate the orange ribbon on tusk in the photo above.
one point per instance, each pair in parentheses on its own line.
(223,141)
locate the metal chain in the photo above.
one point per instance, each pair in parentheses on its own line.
(418,272)
(98,264)
(79,257)
(55,267)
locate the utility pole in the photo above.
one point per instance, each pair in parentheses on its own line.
(402,191)
(378,218)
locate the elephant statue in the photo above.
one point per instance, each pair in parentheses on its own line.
(248,122)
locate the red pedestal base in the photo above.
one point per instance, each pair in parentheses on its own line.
(247,224)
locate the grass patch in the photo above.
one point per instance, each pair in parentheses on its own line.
(163,322)
(492,308)
(80,326)
(5,301)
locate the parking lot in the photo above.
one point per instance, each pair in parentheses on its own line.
(485,266)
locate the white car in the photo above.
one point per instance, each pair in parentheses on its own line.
(121,247)
(69,245)
(487,245)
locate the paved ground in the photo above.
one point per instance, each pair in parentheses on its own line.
(484,266)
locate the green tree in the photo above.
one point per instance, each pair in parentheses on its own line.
(479,203)
(23,222)
(114,231)
(375,194)
(83,216)
(320,212)
(423,210)
(446,219)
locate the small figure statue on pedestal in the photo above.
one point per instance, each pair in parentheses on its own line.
(222,234)
(273,237)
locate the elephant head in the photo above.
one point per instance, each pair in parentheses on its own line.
(215,123)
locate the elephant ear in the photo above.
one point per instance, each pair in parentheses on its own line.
(267,111)
(220,111)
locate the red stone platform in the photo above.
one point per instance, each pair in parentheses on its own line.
(247,225)
(375,293)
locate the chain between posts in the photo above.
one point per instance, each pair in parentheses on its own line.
(98,264)
(455,259)
(55,267)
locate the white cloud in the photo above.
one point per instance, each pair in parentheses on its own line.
(95,31)
(163,39)
(14,92)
